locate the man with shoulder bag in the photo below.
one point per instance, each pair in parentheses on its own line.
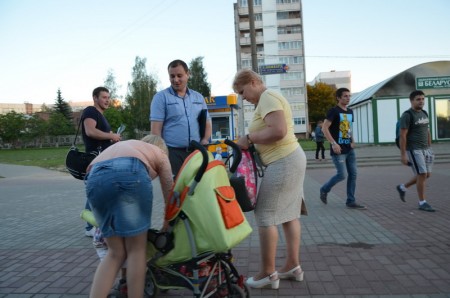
(96,131)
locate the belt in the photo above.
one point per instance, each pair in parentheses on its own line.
(186,149)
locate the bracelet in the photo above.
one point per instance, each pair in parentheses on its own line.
(334,143)
(248,140)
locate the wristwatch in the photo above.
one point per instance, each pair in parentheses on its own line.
(334,143)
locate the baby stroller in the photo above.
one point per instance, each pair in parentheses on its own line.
(205,222)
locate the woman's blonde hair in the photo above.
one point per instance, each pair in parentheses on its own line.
(157,141)
(244,77)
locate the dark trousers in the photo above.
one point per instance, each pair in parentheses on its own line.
(177,157)
(320,147)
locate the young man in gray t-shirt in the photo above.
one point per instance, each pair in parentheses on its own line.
(415,147)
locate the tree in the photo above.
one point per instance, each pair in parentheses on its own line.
(140,92)
(58,125)
(45,108)
(60,121)
(321,97)
(62,107)
(115,117)
(12,127)
(114,114)
(35,129)
(110,83)
(198,77)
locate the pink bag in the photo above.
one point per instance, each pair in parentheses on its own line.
(247,170)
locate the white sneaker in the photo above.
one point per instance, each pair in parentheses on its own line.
(90,233)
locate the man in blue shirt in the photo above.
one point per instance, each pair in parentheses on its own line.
(174,115)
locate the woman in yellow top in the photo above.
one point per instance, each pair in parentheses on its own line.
(281,192)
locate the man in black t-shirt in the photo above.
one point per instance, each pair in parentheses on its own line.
(96,131)
(337,129)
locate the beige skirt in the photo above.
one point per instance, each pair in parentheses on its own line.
(280,195)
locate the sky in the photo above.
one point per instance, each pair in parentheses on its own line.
(71,45)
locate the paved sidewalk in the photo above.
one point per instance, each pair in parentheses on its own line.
(390,250)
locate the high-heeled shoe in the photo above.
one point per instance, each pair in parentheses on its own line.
(271,280)
(296,273)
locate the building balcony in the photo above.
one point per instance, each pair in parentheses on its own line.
(293,52)
(288,6)
(291,83)
(289,37)
(247,40)
(289,22)
(245,26)
(243,11)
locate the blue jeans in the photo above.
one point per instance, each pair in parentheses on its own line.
(343,162)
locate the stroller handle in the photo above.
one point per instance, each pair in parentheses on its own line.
(204,152)
(237,154)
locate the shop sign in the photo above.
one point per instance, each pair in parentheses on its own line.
(272,69)
(433,82)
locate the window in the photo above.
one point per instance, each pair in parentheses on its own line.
(290,60)
(290,45)
(443,118)
(247,63)
(258,17)
(244,3)
(290,29)
(282,15)
(287,1)
(293,91)
(292,76)
(298,106)
(220,127)
(285,15)
(299,121)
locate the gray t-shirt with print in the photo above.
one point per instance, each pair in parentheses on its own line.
(417,137)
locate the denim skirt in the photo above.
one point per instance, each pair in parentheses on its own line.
(120,194)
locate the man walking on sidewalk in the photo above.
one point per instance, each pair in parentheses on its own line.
(337,129)
(415,147)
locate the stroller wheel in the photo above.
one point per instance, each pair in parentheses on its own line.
(235,292)
(119,290)
(247,291)
(149,289)
(238,292)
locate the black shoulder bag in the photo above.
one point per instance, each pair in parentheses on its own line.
(77,161)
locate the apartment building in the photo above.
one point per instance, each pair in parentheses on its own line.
(20,108)
(279,41)
(29,108)
(338,79)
